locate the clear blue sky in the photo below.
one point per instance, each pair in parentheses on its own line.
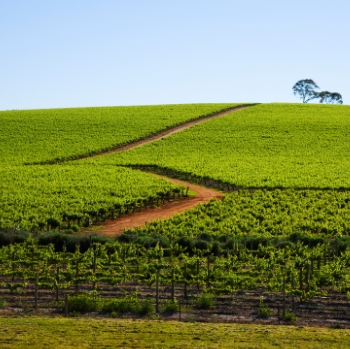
(72,53)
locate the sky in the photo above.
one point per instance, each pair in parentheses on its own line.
(79,53)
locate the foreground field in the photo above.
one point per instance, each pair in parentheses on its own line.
(265,146)
(41,332)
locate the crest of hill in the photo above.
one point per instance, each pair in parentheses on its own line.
(34,136)
(265,146)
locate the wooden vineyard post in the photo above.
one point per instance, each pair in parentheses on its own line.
(95,251)
(66,310)
(57,282)
(157,291)
(293,286)
(300,278)
(284,296)
(208,269)
(13,265)
(185,281)
(76,277)
(36,291)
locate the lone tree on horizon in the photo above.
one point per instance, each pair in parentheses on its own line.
(305,89)
(330,97)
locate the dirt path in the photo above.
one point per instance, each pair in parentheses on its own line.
(138,219)
(170,131)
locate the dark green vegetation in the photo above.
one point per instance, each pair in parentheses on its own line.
(297,276)
(39,332)
(265,146)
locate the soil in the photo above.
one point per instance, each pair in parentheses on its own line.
(115,227)
(242,307)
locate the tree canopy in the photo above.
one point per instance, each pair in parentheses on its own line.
(330,97)
(305,89)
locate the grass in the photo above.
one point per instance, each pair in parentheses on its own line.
(41,332)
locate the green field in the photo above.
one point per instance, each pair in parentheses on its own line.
(265,146)
(40,332)
(265,214)
(38,198)
(28,136)
(35,198)
(292,244)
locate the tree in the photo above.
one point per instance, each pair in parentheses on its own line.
(330,97)
(305,89)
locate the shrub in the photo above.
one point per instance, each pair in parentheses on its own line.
(205,237)
(146,307)
(264,311)
(171,306)
(204,301)
(129,304)
(186,243)
(10,236)
(290,317)
(83,303)
(2,303)
(216,249)
(202,245)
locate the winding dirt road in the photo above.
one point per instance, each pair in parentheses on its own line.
(138,219)
(170,131)
(115,227)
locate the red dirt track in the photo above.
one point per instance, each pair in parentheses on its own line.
(170,131)
(115,227)
(138,219)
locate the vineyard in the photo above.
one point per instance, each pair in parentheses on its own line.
(40,198)
(265,146)
(236,282)
(262,215)
(275,248)
(37,198)
(37,136)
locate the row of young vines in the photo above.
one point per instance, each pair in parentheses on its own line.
(173,273)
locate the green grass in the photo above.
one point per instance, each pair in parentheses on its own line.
(266,146)
(41,332)
(56,134)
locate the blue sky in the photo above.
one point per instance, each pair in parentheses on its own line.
(75,53)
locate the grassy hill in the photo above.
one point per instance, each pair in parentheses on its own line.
(40,197)
(28,136)
(266,146)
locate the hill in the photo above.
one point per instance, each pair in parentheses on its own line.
(265,146)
